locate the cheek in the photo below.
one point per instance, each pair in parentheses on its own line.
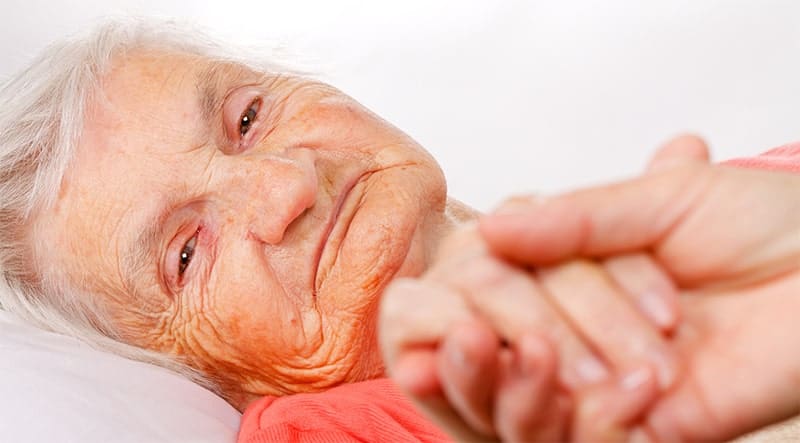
(251,311)
(337,123)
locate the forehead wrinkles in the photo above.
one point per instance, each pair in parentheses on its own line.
(151,95)
(111,170)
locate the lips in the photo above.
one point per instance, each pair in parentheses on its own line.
(331,223)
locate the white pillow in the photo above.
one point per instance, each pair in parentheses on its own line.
(55,388)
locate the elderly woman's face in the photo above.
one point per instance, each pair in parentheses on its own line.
(243,220)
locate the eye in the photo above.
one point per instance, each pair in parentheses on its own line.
(186,255)
(245,112)
(249,116)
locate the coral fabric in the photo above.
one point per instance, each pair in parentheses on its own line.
(375,410)
(369,411)
(785,158)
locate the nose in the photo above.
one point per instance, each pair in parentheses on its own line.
(268,191)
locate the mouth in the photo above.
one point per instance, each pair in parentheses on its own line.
(332,221)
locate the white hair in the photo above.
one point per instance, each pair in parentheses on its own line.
(41,116)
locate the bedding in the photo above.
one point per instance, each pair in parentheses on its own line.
(373,410)
(55,388)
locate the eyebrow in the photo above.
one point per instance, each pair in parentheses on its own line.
(213,83)
(209,92)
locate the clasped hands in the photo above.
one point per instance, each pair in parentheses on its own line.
(663,308)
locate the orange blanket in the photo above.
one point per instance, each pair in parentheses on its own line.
(373,410)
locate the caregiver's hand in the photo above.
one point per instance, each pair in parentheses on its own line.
(728,234)
(441,334)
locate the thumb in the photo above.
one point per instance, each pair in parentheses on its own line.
(612,219)
(680,150)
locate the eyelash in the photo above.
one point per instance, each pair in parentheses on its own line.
(249,117)
(180,261)
(187,253)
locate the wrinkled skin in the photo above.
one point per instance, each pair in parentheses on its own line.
(274,291)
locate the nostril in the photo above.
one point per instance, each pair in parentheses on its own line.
(264,236)
(275,236)
(284,194)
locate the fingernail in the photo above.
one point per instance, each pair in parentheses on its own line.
(656,308)
(519,205)
(592,370)
(635,379)
(512,209)
(457,356)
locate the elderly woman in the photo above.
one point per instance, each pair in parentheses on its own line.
(234,222)
(195,207)
(238,223)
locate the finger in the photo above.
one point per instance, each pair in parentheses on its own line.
(608,413)
(408,336)
(527,406)
(468,367)
(460,245)
(647,286)
(519,203)
(601,221)
(512,302)
(678,151)
(666,212)
(415,371)
(615,329)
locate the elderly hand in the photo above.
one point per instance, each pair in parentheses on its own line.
(730,238)
(443,334)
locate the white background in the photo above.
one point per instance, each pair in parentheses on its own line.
(512,96)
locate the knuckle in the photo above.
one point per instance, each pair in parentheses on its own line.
(483,272)
(464,241)
(580,270)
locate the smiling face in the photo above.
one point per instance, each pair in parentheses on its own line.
(245,221)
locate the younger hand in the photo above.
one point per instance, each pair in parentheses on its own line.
(730,238)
